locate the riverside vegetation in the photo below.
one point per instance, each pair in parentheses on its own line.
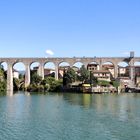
(2,80)
(50,84)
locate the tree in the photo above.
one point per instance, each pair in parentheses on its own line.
(2,76)
(69,77)
(93,79)
(115,84)
(18,84)
(54,85)
(36,79)
(2,85)
(84,74)
(21,76)
(2,80)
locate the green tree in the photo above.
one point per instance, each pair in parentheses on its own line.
(93,79)
(36,79)
(18,84)
(2,80)
(2,86)
(115,84)
(84,74)
(2,75)
(54,85)
(69,77)
(21,76)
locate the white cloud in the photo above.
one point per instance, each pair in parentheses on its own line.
(49,52)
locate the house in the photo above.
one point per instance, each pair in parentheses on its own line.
(123,71)
(61,70)
(92,67)
(47,71)
(109,67)
(102,75)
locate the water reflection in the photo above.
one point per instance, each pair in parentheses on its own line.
(121,106)
(10,93)
(69,116)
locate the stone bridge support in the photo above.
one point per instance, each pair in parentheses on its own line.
(100,65)
(9,77)
(56,71)
(116,71)
(27,75)
(41,70)
(131,70)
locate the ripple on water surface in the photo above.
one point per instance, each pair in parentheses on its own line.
(70,117)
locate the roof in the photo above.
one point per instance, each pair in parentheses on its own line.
(101,71)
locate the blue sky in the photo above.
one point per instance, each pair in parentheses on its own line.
(69,27)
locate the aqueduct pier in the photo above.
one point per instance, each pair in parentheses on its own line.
(84,60)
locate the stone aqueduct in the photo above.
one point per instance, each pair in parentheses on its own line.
(42,61)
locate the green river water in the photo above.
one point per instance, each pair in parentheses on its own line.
(67,116)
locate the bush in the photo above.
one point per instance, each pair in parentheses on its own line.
(103,83)
(2,86)
(115,83)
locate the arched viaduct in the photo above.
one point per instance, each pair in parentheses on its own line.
(42,61)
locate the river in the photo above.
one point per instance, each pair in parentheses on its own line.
(25,116)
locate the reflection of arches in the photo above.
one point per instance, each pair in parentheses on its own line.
(63,66)
(109,66)
(123,69)
(49,69)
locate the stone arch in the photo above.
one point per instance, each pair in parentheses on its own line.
(61,68)
(34,65)
(123,69)
(49,69)
(64,63)
(19,65)
(77,65)
(108,62)
(137,63)
(109,66)
(34,68)
(18,70)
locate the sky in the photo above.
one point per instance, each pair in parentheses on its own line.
(67,28)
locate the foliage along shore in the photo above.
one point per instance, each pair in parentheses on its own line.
(49,84)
